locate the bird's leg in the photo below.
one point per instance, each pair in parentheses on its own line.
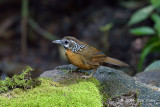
(84,76)
(75,70)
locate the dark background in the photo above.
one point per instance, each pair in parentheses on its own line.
(26,39)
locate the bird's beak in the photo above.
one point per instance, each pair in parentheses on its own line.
(58,41)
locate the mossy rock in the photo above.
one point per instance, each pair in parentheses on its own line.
(23,81)
(115,83)
(51,94)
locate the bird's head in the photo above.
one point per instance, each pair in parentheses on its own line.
(70,42)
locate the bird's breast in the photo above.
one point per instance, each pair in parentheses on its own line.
(77,60)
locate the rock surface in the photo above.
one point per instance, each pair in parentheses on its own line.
(126,100)
(115,83)
(150,77)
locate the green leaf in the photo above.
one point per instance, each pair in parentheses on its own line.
(106,27)
(155,3)
(156,49)
(145,52)
(156,19)
(144,30)
(130,4)
(152,39)
(141,15)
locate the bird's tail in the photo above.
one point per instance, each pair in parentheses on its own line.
(115,62)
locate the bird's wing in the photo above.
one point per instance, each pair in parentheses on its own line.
(95,57)
(92,55)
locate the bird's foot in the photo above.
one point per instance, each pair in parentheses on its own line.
(86,77)
(75,70)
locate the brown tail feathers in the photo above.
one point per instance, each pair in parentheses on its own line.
(116,62)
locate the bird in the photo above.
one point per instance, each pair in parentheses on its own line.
(85,56)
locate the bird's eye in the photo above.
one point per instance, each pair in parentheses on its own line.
(66,42)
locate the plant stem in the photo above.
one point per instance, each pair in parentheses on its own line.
(24,27)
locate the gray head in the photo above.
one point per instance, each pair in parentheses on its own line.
(70,42)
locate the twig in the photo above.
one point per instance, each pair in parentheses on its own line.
(6,24)
(41,31)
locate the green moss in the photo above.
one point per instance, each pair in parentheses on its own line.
(69,92)
(52,94)
(70,81)
(19,81)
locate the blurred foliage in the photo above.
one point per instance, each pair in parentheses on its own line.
(41,31)
(19,81)
(153,45)
(24,8)
(141,15)
(129,4)
(106,27)
(155,3)
(144,30)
